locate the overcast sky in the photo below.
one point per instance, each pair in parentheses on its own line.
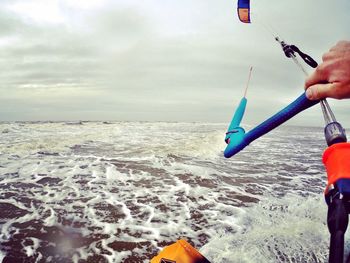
(152,60)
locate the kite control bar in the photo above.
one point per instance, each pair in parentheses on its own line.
(236,137)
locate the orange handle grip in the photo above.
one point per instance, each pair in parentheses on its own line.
(336,159)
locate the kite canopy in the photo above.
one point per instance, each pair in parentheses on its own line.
(243,10)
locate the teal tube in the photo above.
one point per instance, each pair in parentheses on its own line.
(238,116)
(234,125)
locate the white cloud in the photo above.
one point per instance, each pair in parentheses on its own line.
(86,4)
(39,11)
(167,59)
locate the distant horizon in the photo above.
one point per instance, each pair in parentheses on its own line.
(145,121)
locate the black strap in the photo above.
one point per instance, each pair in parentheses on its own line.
(290,49)
(233,131)
(229,132)
(308,60)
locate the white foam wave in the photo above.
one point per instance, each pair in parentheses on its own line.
(291,229)
(121,191)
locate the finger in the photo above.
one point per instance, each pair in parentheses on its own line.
(318,76)
(321,91)
(329,55)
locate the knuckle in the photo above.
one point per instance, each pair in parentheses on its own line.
(325,56)
(320,69)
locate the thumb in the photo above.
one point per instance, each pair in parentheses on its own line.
(319,91)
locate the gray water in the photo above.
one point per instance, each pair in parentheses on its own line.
(119,192)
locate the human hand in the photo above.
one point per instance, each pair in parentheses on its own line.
(332,77)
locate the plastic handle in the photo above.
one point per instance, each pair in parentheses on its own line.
(237,118)
(239,143)
(336,160)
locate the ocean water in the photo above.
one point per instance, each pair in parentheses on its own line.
(121,191)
